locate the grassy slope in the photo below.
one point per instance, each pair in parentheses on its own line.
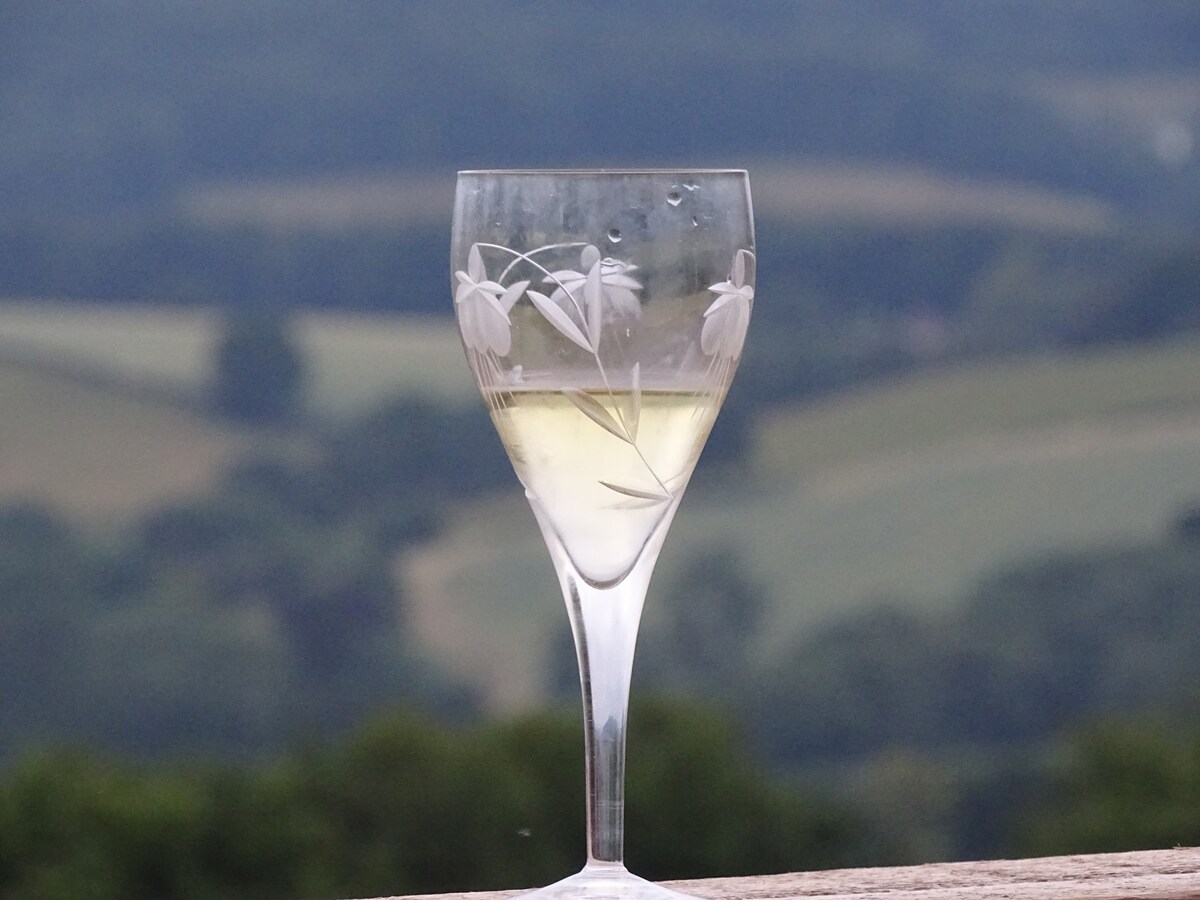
(355,361)
(358,360)
(910,490)
(974,401)
(80,430)
(100,454)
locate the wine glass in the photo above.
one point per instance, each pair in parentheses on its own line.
(603,314)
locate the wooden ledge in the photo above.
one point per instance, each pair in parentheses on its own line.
(1145,875)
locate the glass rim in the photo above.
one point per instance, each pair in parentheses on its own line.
(604,171)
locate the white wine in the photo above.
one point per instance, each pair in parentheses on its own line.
(604,468)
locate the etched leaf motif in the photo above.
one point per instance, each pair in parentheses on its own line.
(744,266)
(648,498)
(475,264)
(631,503)
(738,275)
(513,294)
(728,317)
(559,319)
(593,299)
(634,415)
(592,408)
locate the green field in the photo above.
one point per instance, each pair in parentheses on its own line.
(103,455)
(354,361)
(974,402)
(908,491)
(90,397)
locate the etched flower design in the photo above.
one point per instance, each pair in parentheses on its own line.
(483,307)
(726,320)
(582,301)
(616,287)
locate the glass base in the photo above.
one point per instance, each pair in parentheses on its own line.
(604,882)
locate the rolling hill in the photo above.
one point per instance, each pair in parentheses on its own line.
(905,492)
(354,361)
(101,411)
(103,455)
(909,489)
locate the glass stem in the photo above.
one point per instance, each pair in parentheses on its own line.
(605,622)
(605,625)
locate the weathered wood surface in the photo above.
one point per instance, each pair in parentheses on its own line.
(1147,875)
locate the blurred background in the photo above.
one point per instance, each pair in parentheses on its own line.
(275,621)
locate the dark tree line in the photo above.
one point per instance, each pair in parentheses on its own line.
(403,806)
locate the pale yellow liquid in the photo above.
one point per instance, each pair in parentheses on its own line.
(563,456)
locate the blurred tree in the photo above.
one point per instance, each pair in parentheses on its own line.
(258,369)
(703,640)
(329,588)
(1159,295)
(73,827)
(1187,523)
(409,446)
(1032,649)
(700,805)
(172,670)
(1122,787)
(49,597)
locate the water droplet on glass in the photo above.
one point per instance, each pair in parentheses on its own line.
(614,235)
(695,222)
(674,199)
